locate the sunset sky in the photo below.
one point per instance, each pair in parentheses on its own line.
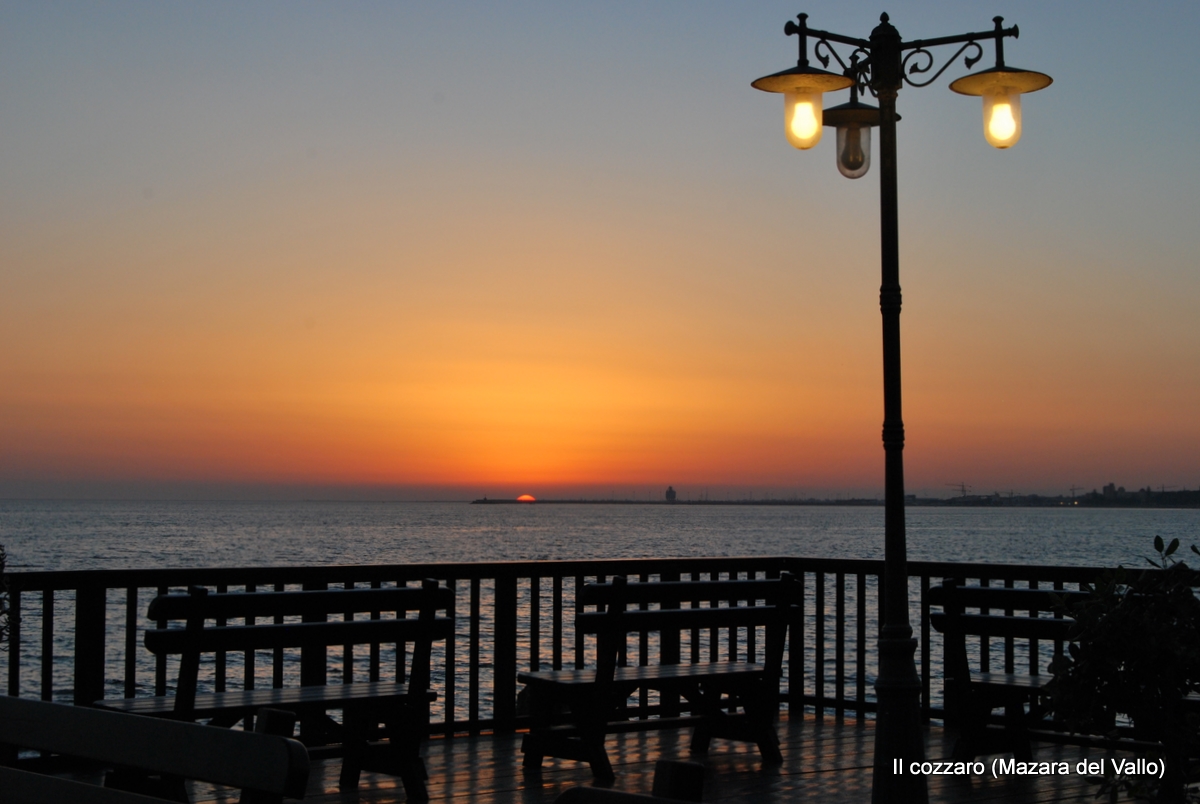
(415,250)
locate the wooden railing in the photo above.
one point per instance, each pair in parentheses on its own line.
(77,635)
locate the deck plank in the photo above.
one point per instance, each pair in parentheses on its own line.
(822,761)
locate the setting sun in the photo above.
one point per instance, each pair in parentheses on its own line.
(526,498)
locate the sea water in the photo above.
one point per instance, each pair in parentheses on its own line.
(54,535)
(42,535)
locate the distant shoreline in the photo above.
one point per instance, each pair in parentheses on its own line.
(490,501)
(1184,499)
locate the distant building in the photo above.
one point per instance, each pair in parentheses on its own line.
(670,494)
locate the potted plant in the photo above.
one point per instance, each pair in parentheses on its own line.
(1134,657)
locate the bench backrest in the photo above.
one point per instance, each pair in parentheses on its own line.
(261,762)
(994,611)
(315,631)
(672,608)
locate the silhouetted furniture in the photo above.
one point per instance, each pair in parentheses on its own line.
(572,710)
(673,781)
(265,766)
(402,706)
(682,781)
(601,795)
(971,697)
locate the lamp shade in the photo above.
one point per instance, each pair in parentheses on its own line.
(802,79)
(802,88)
(1001,89)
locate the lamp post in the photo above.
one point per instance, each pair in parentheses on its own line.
(881,65)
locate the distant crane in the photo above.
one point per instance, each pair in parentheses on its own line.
(963,487)
(1075,489)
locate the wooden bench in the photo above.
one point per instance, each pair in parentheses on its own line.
(572,710)
(265,766)
(971,697)
(402,706)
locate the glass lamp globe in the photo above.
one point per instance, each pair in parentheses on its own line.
(1001,89)
(853,122)
(802,118)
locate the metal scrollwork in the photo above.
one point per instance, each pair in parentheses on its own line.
(922,62)
(823,44)
(860,70)
(858,67)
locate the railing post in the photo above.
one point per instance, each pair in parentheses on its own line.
(14,639)
(504,655)
(89,644)
(131,641)
(926,653)
(796,647)
(312,659)
(312,667)
(669,653)
(48,646)
(473,657)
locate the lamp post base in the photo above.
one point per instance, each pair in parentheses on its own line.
(899,737)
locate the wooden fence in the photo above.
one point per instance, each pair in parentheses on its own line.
(76,636)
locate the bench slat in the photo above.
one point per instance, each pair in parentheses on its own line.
(648,674)
(315,602)
(1012,680)
(23,787)
(237,758)
(286,698)
(293,635)
(995,625)
(1006,599)
(679,619)
(658,591)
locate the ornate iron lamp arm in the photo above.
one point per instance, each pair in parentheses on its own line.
(920,52)
(919,48)
(916,61)
(998,33)
(792,28)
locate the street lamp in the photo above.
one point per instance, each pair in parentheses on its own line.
(802,87)
(881,65)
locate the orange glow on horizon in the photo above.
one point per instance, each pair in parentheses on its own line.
(526,498)
(627,337)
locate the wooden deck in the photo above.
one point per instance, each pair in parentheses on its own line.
(823,761)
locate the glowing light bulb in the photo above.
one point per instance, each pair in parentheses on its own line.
(804,121)
(1002,126)
(1002,118)
(802,118)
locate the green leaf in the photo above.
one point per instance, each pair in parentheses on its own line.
(1158,544)
(1172,547)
